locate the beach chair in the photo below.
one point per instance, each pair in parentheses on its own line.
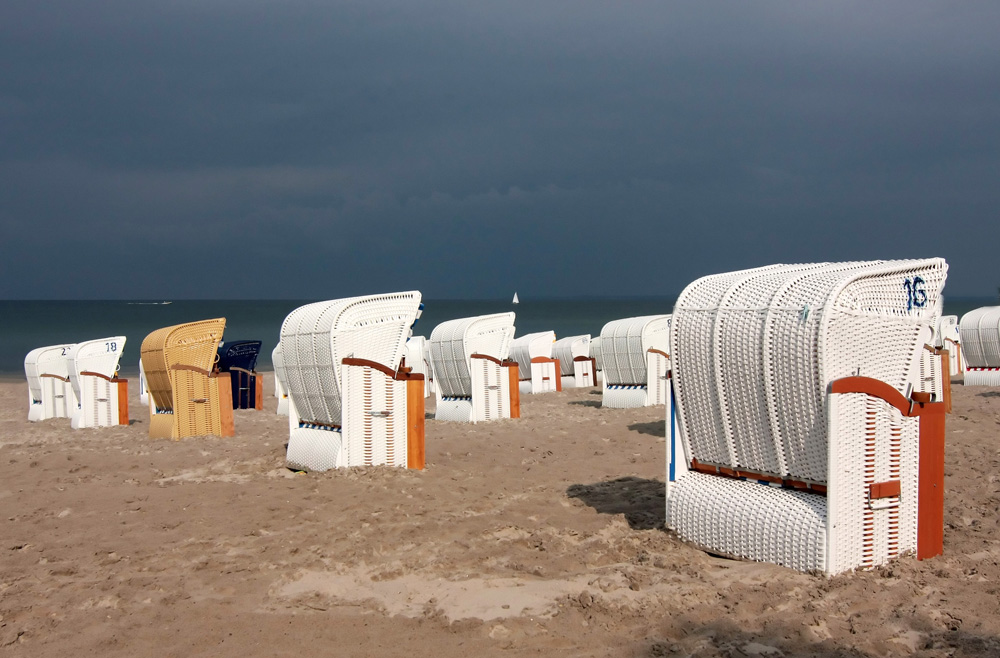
(980,332)
(280,383)
(595,353)
(473,380)
(350,403)
(577,367)
(537,371)
(948,338)
(417,360)
(143,389)
(635,360)
(239,359)
(800,436)
(102,398)
(50,393)
(187,396)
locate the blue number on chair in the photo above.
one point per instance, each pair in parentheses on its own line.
(112,346)
(916,295)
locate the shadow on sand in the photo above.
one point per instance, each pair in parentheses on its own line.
(640,500)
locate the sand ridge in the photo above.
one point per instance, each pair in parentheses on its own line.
(534,536)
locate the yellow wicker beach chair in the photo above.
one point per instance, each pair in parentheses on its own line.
(185,394)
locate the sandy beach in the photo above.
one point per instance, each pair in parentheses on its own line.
(537,536)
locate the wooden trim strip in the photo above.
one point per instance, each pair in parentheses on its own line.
(64,379)
(488,358)
(122,400)
(660,352)
(740,474)
(398,376)
(90,373)
(207,373)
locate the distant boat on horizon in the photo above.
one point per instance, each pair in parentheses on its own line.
(515,299)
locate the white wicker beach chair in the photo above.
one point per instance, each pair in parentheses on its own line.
(980,332)
(802,438)
(280,383)
(537,371)
(635,360)
(578,367)
(143,388)
(473,380)
(418,360)
(947,338)
(350,404)
(102,398)
(50,394)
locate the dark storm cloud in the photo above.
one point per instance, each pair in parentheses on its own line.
(467,149)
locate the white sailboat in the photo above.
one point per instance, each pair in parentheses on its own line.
(515,299)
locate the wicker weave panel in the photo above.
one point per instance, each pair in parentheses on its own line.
(490,391)
(875,444)
(314,449)
(375,430)
(196,404)
(567,349)
(525,348)
(315,339)
(453,343)
(980,333)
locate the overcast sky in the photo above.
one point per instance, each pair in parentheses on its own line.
(320,148)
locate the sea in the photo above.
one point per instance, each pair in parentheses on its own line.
(25,325)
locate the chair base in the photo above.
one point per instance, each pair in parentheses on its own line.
(750,520)
(625,397)
(312,449)
(454,409)
(982,377)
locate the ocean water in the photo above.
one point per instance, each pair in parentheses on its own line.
(25,325)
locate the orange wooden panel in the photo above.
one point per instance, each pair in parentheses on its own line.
(122,401)
(930,493)
(946,379)
(226,422)
(415,448)
(515,391)
(259,387)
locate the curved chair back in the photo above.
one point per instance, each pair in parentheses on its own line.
(317,337)
(624,344)
(98,357)
(192,344)
(239,354)
(754,352)
(980,333)
(453,343)
(569,348)
(50,394)
(529,346)
(49,361)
